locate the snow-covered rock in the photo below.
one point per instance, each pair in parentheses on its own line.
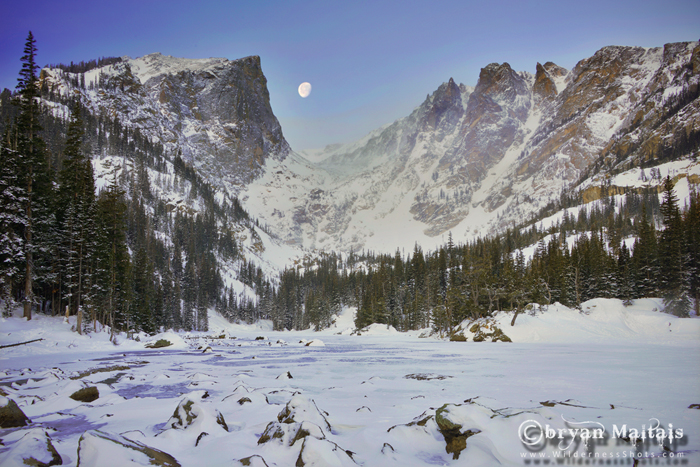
(10,414)
(100,449)
(34,448)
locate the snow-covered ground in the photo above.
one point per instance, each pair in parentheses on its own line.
(380,398)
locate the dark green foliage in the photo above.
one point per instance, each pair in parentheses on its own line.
(34,177)
(672,255)
(574,261)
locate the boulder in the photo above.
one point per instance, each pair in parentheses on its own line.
(190,413)
(290,433)
(487,331)
(34,448)
(159,344)
(454,433)
(10,414)
(299,409)
(99,449)
(87,394)
(323,453)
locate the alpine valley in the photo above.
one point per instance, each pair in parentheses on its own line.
(518,150)
(468,160)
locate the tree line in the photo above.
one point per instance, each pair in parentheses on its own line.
(580,257)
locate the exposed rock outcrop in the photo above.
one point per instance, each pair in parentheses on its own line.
(10,414)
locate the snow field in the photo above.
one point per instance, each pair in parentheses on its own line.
(388,398)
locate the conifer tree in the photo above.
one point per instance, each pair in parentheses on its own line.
(692,232)
(113,254)
(645,258)
(671,248)
(12,222)
(34,175)
(77,197)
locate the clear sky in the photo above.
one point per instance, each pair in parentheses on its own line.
(369,62)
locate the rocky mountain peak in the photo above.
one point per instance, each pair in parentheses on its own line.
(215,112)
(445,106)
(544,88)
(500,82)
(554,70)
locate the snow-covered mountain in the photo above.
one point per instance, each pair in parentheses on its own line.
(473,161)
(467,161)
(215,112)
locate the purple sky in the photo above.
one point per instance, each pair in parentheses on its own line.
(369,62)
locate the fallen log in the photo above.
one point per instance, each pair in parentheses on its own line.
(20,343)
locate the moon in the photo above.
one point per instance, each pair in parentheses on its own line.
(304,89)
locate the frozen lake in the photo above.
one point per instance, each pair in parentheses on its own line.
(364,386)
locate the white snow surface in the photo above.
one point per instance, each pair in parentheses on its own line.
(380,392)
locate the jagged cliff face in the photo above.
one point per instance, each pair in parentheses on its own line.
(215,112)
(468,160)
(475,160)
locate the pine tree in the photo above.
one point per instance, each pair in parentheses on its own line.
(77,197)
(645,258)
(672,249)
(34,174)
(12,222)
(692,232)
(144,292)
(113,254)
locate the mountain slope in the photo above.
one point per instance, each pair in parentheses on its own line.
(215,112)
(474,161)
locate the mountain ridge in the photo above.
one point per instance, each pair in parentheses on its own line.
(516,143)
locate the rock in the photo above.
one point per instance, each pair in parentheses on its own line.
(34,448)
(315,343)
(458,338)
(99,449)
(486,330)
(207,350)
(285,375)
(253,461)
(87,394)
(323,453)
(244,400)
(159,343)
(421,420)
(694,406)
(455,436)
(199,438)
(290,433)
(426,376)
(299,419)
(544,87)
(10,414)
(190,413)
(299,409)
